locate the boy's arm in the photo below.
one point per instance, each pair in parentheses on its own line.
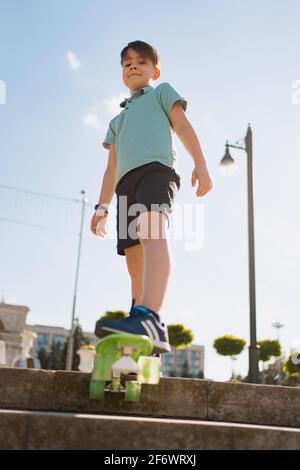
(109,178)
(186,133)
(189,139)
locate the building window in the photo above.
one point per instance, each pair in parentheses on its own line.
(59,341)
(42,340)
(168,359)
(194,362)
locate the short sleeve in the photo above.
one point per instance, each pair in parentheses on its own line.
(110,137)
(167,96)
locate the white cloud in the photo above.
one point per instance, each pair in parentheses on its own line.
(75,64)
(112,104)
(92,120)
(95,116)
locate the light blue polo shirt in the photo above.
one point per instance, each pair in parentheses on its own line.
(142,132)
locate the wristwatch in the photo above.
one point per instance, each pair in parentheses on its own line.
(100,209)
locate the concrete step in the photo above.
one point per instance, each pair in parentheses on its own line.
(36,430)
(60,391)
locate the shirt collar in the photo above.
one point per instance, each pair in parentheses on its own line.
(138,92)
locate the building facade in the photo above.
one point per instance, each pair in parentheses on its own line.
(47,335)
(188,362)
(13,324)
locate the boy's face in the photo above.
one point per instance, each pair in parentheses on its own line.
(138,72)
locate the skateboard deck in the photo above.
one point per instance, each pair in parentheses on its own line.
(122,363)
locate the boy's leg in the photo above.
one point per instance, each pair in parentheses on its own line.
(135,266)
(142,320)
(151,230)
(157,186)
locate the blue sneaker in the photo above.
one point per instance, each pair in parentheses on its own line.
(141,321)
(98,328)
(153,354)
(132,305)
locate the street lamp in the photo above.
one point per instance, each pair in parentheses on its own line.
(71,335)
(277,325)
(227,168)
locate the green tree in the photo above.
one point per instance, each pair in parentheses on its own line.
(229,345)
(179,338)
(292,364)
(115,314)
(268,348)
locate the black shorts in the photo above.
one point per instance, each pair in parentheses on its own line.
(150,187)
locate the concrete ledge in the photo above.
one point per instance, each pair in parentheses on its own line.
(258,404)
(41,390)
(31,430)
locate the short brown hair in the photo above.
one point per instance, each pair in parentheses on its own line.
(144,49)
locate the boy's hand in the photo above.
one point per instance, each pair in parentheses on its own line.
(98,225)
(201,174)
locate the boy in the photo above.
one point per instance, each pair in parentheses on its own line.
(141,171)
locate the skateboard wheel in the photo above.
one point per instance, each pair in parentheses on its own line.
(97,388)
(149,370)
(133,390)
(102,368)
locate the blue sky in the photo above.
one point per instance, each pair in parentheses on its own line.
(235,63)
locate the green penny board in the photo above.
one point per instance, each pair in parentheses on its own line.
(122,363)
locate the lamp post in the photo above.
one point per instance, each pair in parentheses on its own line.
(227,167)
(71,335)
(277,325)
